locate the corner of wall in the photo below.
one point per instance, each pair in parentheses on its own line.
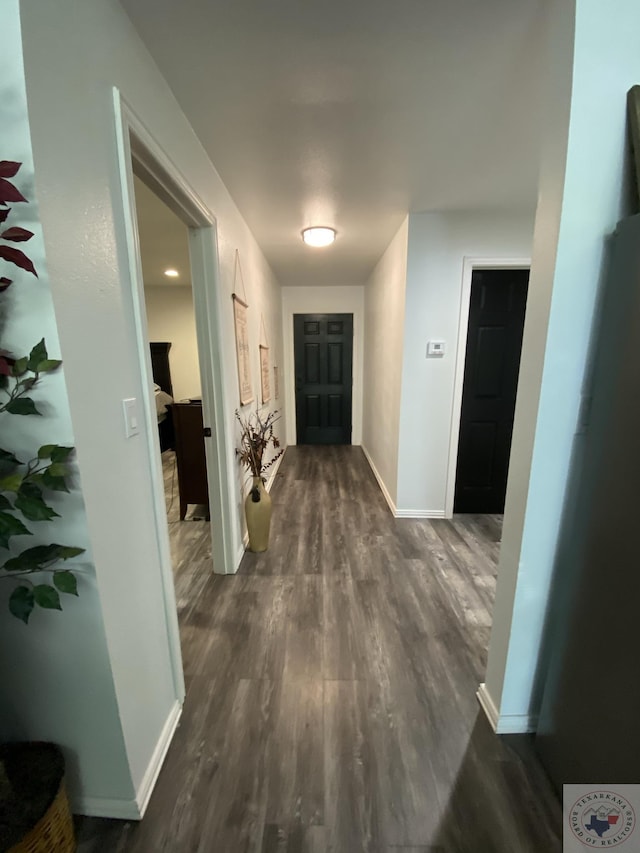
(384,305)
(58,685)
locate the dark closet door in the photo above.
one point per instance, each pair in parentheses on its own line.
(323,345)
(492,362)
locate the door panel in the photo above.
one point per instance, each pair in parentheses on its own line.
(492,362)
(335,363)
(482,449)
(323,347)
(335,409)
(311,364)
(489,379)
(312,406)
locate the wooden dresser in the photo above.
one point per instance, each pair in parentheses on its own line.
(190,456)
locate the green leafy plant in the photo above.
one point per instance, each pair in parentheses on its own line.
(24,484)
(19,376)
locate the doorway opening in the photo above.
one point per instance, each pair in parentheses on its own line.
(323,364)
(492,314)
(492,363)
(173,345)
(139,154)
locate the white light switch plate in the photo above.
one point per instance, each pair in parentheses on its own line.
(130,409)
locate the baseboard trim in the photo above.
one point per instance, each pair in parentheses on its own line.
(134,809)
(157,759)
(106,807)
(517,724)
(420,513)
(381,483)
(399,513)
(505,724)
(488,705)
(274,471)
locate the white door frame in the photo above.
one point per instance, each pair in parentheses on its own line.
(468,267)
(136,145)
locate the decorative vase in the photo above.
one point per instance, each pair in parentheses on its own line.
(257,510)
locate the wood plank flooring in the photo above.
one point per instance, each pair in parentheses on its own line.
(190,542)
(331,688)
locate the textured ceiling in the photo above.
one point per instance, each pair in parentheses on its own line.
(351,113)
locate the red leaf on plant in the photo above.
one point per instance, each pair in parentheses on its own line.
(5,367)
(9,193)
(4,283)
(18,235)
(4,212)
(15,256)
(8,168)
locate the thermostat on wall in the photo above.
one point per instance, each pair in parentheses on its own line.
(435,348)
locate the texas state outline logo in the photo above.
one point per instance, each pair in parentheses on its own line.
(601,818)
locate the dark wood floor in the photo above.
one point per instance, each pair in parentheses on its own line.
(331,689)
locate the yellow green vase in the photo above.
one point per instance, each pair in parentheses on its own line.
(257,509)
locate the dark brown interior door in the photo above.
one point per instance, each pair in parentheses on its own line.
(492,362)
(323,346)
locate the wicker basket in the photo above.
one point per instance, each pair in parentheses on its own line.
(54,830)
(35,810)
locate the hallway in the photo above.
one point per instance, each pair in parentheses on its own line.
(331,691)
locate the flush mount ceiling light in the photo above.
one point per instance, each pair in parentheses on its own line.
(319,236)
(171,273)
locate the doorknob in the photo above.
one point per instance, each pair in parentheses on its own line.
(206,431)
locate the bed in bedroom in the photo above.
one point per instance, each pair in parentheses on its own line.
(163,390)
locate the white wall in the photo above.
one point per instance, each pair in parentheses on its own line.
(55,676)
(323,300)
(74,54)
(437,246)
(384,329)
(170,317)
(584,190)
